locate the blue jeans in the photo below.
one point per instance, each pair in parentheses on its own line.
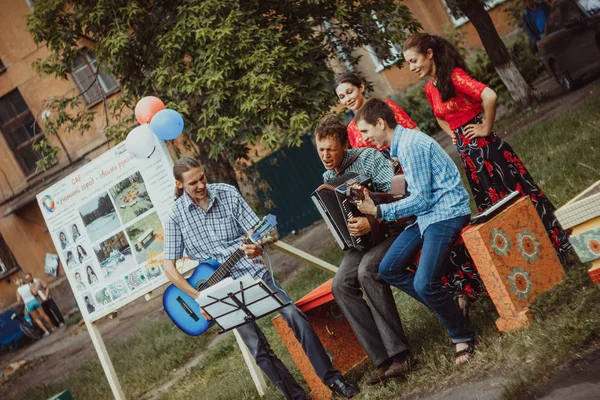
(425,285)
(268,361)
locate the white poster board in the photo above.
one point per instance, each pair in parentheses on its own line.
(106,221)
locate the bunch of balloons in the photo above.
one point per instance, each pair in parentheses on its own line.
(155,121)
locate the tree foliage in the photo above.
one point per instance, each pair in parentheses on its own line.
(240,72)
(520,91)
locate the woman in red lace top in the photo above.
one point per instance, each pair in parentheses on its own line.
(350,90)
(492,167)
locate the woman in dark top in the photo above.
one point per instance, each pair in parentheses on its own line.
(492,167)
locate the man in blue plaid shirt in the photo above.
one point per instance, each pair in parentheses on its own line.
(440,203)
(211,221)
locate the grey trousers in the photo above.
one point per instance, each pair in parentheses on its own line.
(375,322)
(272,366)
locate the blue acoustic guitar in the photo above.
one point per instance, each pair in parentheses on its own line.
(182,308)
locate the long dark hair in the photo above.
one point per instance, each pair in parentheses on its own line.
(347,77)
(180,167)
(445,57)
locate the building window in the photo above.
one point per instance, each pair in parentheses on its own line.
(8,263)
(394,52)
(95,85)
(20,130)
(338,47)
(2,67)
(459,19)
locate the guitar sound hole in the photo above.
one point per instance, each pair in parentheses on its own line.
(199,284)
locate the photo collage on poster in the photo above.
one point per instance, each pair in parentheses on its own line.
(115,232)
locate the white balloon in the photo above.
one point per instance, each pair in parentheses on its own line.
(140,142)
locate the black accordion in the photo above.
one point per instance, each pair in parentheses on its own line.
(333,200)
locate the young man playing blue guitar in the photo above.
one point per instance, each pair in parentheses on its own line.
(211,221)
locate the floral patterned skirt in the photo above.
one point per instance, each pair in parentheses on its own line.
(461,278)
(493,170)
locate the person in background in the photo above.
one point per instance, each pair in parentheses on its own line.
(80,285)
(89,305)
(81,253)
(534,19)
(466,109)
(63,240)
(91,275)
(42,291)
(33,306)
(75,232)
(350,91)
(70,259)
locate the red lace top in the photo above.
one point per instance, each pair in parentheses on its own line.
(355,137)
(462,108)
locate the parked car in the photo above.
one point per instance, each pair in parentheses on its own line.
(570,48)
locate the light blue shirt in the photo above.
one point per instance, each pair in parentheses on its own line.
(436,190)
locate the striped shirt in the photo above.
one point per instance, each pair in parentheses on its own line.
(371,163)
(436,190)
(212,234)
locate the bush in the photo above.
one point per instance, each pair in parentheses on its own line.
(415,103)
(529,64)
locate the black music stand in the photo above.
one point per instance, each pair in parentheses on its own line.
(241,301)
(231,309)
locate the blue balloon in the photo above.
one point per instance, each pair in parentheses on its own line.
(167,124)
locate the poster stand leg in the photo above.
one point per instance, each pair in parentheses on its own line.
(107,366)
(257,375)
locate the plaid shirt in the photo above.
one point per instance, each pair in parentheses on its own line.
(215,233)
(436,190)
(371,163)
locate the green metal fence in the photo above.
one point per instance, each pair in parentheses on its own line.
(292,173)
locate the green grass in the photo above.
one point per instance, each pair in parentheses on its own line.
(566,319)
(73,319)
(142,360)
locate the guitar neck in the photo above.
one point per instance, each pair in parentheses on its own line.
(384,198)
(224,269)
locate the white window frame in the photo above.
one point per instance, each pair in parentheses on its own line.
(91,64)
(338,47)
(457,22)
(380,65)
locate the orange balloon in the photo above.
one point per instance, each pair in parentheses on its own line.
(147,107)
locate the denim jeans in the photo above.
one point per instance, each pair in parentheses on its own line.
(268,361)
(425,285)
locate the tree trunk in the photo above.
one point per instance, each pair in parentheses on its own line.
(518,88)
(217,171)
